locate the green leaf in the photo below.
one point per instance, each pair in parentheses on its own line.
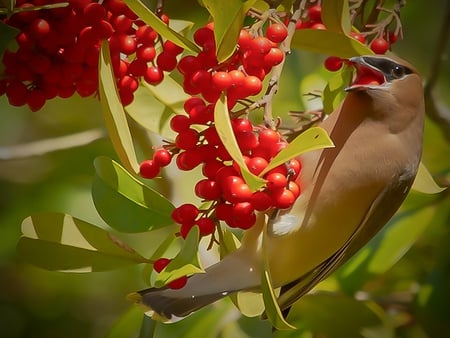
(150,113)
(170,93)
(328,42)
(7,34)
(185,263)
(225,131)
(425,183)
(386,248)
(125,203)
(166,32)
(114,115)
(333,315)
(228,242)
(334,93)
(272,309)
(227,27)
(336,16)
(311,139)
(56,241)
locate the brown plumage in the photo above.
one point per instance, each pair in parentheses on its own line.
(348,193)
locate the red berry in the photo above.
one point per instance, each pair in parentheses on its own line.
(160,264)
(315,13)
(153,75)
(283,198)
(162,157)
(207,189)
(189,159)
(188,64)
(146,53)
(35,99)
(242,216)
(203,35)
(93,13)
(252,85)
(187,139)
(358,36)
(261,201)
(121,23)
(206,226)
(276,180)
(294,188)
(333,63)
(276,32)
(256,165)
(172,48)
(223,211)
(318,26)
(180,123)
(379,46)
(166,61)
(221,80)
(40,28)
(178,283)
(185,213)
(274,57)
(149,169)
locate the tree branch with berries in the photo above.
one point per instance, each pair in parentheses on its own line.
(179,102)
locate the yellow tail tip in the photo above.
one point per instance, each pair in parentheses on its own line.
(135,297)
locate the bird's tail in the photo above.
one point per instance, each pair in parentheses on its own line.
(234,273)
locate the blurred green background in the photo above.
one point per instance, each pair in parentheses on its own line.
(41,304)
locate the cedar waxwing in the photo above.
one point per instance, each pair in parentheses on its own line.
(348,193)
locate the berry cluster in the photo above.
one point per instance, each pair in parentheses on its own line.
(241,75)
(197,142)
(58,51)
(379,45)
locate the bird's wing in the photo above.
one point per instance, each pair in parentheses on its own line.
(381,210)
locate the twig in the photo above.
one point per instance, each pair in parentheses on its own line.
(45,146)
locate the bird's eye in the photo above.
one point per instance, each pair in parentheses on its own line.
(397,72)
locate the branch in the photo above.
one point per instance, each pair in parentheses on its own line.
(45,146)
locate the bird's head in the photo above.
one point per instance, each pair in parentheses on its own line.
(379,72)
(392,84)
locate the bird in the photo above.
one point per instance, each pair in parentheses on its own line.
(349,192)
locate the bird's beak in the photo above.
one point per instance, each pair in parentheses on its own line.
(367,74)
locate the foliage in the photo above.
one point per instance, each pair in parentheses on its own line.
(135,210)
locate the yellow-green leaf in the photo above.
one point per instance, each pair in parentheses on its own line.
(425,183)
(151,114)
(185,263)
(170,93)
(124,202)
(336,16)
(334,93)
(329,43)
(114,114)
(227,27)
(225,132)
(311,139)
(228,242)
(273,310)
(56,241)
(152,20)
